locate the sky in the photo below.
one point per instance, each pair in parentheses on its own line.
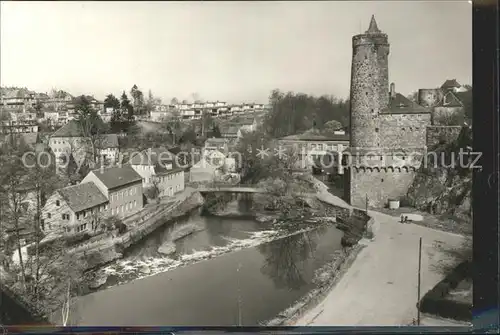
(226,51)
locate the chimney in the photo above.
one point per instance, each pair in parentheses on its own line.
(392,91)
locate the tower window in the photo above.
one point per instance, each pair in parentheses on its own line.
(382,180)
(376,130)
(366,93)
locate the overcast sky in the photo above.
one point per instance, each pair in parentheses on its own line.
(231,51)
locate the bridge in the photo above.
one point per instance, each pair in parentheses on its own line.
(227,188)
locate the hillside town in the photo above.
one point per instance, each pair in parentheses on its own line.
(97,195)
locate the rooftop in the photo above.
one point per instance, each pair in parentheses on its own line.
(82,196)
(373,29)
(71,129)
(114,177)
(450,99)
(450,83)
(399,104)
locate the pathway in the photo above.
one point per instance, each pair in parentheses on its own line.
(380,287)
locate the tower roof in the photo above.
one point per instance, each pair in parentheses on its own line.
(373,29)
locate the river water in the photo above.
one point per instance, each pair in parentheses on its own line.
(248,275)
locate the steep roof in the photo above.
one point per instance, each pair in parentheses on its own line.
(114,177)
(450,100)
(82,196)
(373,29)
(464,97)
(450,83)
(70,129)
(399,104)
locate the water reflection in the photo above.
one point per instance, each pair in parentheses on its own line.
(286,259)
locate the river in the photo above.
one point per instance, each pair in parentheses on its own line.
(248,275)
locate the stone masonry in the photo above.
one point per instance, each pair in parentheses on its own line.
(388,132)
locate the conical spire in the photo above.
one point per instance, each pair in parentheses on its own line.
(373,29)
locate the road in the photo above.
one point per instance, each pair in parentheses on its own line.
(380,288)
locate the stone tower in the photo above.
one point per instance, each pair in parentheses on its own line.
(369,86)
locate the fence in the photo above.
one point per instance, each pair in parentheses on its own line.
(110,238)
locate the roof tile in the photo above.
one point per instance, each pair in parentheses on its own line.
(82,196)
(114,177)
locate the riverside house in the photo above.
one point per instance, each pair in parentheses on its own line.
(74,209)
(157,167)
(69,139)
(122,186)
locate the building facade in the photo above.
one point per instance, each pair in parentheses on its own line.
(122,186)
(74,209)
(447,102)
(387,130)
(157,168)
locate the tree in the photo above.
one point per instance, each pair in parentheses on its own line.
(292,113)
(127,109)
(332,126)
(188,136)
(91,126)
(216,131)
(173,126)
(111,102)
(150,102)
(138,97)
(154,190)
(13,179)
(174,101)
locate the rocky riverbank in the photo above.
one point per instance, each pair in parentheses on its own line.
(104,255)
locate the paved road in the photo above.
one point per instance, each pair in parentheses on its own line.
(380,288)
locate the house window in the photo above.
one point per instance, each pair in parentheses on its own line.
(58,203)
(48,215)
(78,216)
(376,130)
(135,203)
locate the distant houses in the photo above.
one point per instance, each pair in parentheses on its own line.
(448,103)
(69,139)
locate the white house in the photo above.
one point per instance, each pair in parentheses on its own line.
(69,139)
(121,186)
(74,209)
(157,167)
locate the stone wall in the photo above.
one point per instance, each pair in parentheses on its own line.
(429,97)
(403,130)
(379,186)
(448,116)
(441,134)
(369,87)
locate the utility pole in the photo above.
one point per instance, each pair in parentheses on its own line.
(366,199)
(418,285)
(239,293)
